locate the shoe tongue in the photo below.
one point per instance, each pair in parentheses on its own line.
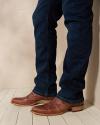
(59,101)
(30,95)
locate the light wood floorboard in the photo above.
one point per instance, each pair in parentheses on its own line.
(14,115)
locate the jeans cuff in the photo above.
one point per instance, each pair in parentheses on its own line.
(70,100)
(44,94)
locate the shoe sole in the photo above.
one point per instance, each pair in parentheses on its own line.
(73,109)
(42,102)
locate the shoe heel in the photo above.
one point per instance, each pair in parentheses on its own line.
(77,108)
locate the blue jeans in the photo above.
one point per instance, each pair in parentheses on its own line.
(78,17)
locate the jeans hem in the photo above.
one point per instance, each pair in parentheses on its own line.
(42,94)
(69,100)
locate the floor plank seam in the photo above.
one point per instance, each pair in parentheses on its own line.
(80,118)
(93,117)
(6,108)
(64,120)
(32,119)
(48,120)
(17,118)
(75,115)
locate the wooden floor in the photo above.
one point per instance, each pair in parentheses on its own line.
(14,115)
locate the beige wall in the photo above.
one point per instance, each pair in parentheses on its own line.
(16,43)
(17,51)
(93,74)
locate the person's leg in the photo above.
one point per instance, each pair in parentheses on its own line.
(45,21)
(78,20)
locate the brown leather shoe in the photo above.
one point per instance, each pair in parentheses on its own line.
(30,100)
(56,107)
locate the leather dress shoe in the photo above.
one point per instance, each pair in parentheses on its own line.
(56,107)
(30,100)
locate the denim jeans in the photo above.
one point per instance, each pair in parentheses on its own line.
(78,17)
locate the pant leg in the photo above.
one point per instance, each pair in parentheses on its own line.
(45,21)
(78,20)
